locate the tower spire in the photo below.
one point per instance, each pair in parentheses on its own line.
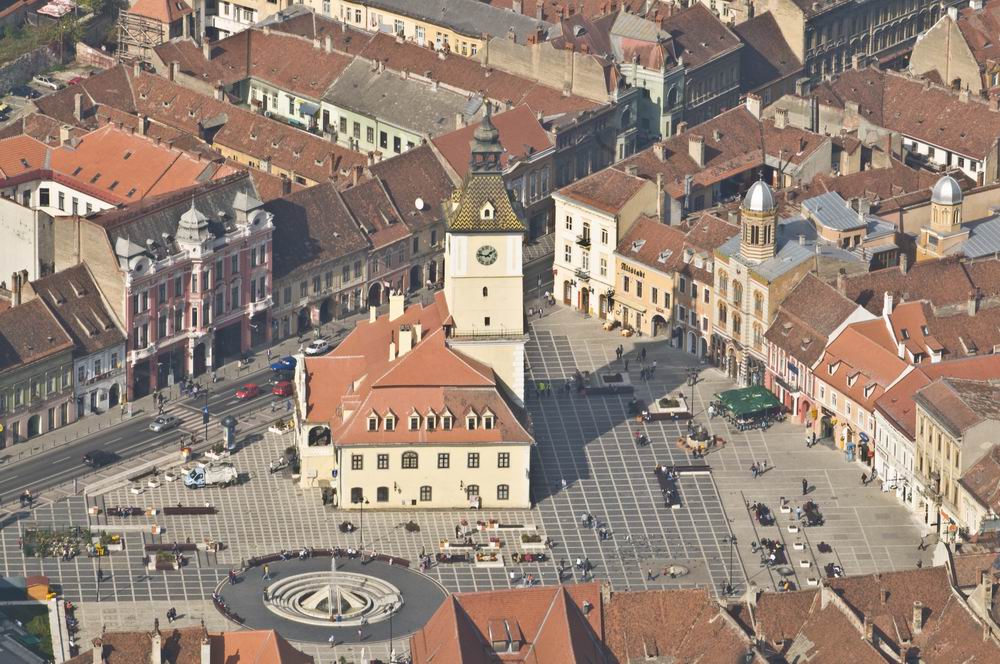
(486,148)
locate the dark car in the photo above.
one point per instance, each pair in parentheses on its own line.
(99,458)
(280,377)
(286,363)
(25,91)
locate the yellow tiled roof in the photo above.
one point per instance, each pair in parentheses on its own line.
(467,204)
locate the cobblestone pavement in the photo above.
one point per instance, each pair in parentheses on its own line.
(586,441)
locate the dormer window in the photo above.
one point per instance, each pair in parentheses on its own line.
(390,422)
(431,422)
(447,422)
(373,423)
(489,420)
(486,212)
(414,422)
(905,334)
(832,367)
(471,421)
(853,378)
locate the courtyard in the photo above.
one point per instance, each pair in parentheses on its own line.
(586,461)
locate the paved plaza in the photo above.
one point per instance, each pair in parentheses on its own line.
(585,441)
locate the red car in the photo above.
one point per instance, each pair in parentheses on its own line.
(248,391)
(74,80)
(283,389)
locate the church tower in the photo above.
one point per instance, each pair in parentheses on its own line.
(945,233)
(483,282)
(758,223)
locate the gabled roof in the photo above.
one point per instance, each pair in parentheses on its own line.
(863,361)
(417,174)
(72,296)
(478,190)
(766,55)
(959,403)
(608,190)
(521,135)
(28,333)
(653,244)
(164,11)
(699,35)
(801,328)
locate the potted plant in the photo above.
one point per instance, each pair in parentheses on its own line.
(411,527)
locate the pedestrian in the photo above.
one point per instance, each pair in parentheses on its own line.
(268,354)
(649,575)
(920,547)
(864,479)
(626,364)
(642,354)
(266,576)
(332,640)
(563,482)
(805,486)
(361,635)
(920,563)
(288,405)
(652,371)
(798,513)
(763,466)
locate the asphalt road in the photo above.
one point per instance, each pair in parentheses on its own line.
(130,439)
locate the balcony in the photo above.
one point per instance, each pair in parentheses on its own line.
(258,306)
(583,239)
(582,273)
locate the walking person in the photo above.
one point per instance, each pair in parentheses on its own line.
(642,354)
(798,513)
(763,466)
(652,370)
(626,364)
(864,479)
(266,575)
(753,470)
(805,486)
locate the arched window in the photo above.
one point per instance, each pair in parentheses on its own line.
(672,97)
(425,494)
(758,336)
(736,324)
(737,293)
(723,284)
(409,459)
(722,314)
(758,304)
(486,291)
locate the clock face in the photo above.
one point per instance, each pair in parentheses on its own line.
(486,255)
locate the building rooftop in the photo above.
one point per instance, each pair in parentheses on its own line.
(30,332)
(183,646)
(834,212)
(78,305)
(916,108)
(407,103)
(653,244)
(417,184)
(861,362)
(164,11)
(553,10)
(521,135)
(982,480)
(312,227)
(940,282)
(466,17)
(765,56)
(801,328)
(607,190)
(959,403)
(699,36)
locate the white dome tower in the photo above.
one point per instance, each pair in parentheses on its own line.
(946,205)
(758,223)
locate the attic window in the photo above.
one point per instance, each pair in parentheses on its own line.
(853,378)
(447,421)
(905,334)
(832,367)
(869,389)
(471,421)
(414,422)
(637,244)
(488,421)
(373,423)
(113,185)
(24,162)
(431,422)
(664,255)
(94,179)
(128,153)
(76,171)
(786,328)
(390,422)
(487,211)
(130,193)
(924,330)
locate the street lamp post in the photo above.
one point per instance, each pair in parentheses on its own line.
(362,501)
(204,415)
(692,381)
(732,544)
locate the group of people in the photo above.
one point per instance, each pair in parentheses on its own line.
(758,468)
(27,500)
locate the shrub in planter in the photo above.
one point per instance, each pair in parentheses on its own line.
(411,527)
(346,527)
(218,448)
(531,538)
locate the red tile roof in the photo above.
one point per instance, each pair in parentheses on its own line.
(30,332)
(608,190)
(164,11)
(766,55)
(801,328)
(699,36)
(521,135)
(653,244)
(549,622)
(959,403)
(864,363)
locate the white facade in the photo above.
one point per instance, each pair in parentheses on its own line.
(945,158)
(894,453)
(99,380)
(585,242)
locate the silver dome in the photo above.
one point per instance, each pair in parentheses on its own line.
(759,198)
(946,191)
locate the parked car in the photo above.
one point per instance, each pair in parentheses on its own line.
(221,474)
(164,423)
(47,82)
(74,80)
(25,91)
(280,377)
(248,391)
(99,458)
(4,110)
(286,363)
(318,347)
(283,389)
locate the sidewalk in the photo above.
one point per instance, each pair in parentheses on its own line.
(229,376)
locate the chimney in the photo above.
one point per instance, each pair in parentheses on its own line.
(841,281)
(858,61)
(396,304)
(317,43)
(64,134)
(869,630)
(136,68)
(372,314)
(975,5)
(904,265)
(392,351)
(417,331)
(328,43)
(143,124)
(953,13)
(987,631)
(538,11)
(174,68)
(98,652)
(206,649)
(904,652)
(405,339)
(780,118)
(156,648)
(918,617)
(886,303)
(220,93)
(659,151)
(206,49)
(883,596)
(659,197)
(696,149)
(802,240)
(77,106)
(16,284)
(682,127)
(517,7)
(986,581)
(734,218)
(973,302)
(459,121)
(754,104)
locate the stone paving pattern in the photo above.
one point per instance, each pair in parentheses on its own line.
(586,441)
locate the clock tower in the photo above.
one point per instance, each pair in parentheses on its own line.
(483,281)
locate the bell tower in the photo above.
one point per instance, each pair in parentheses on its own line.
(758,223)
(483,282)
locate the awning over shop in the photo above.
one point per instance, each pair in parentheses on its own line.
(307,108)
(752,400)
